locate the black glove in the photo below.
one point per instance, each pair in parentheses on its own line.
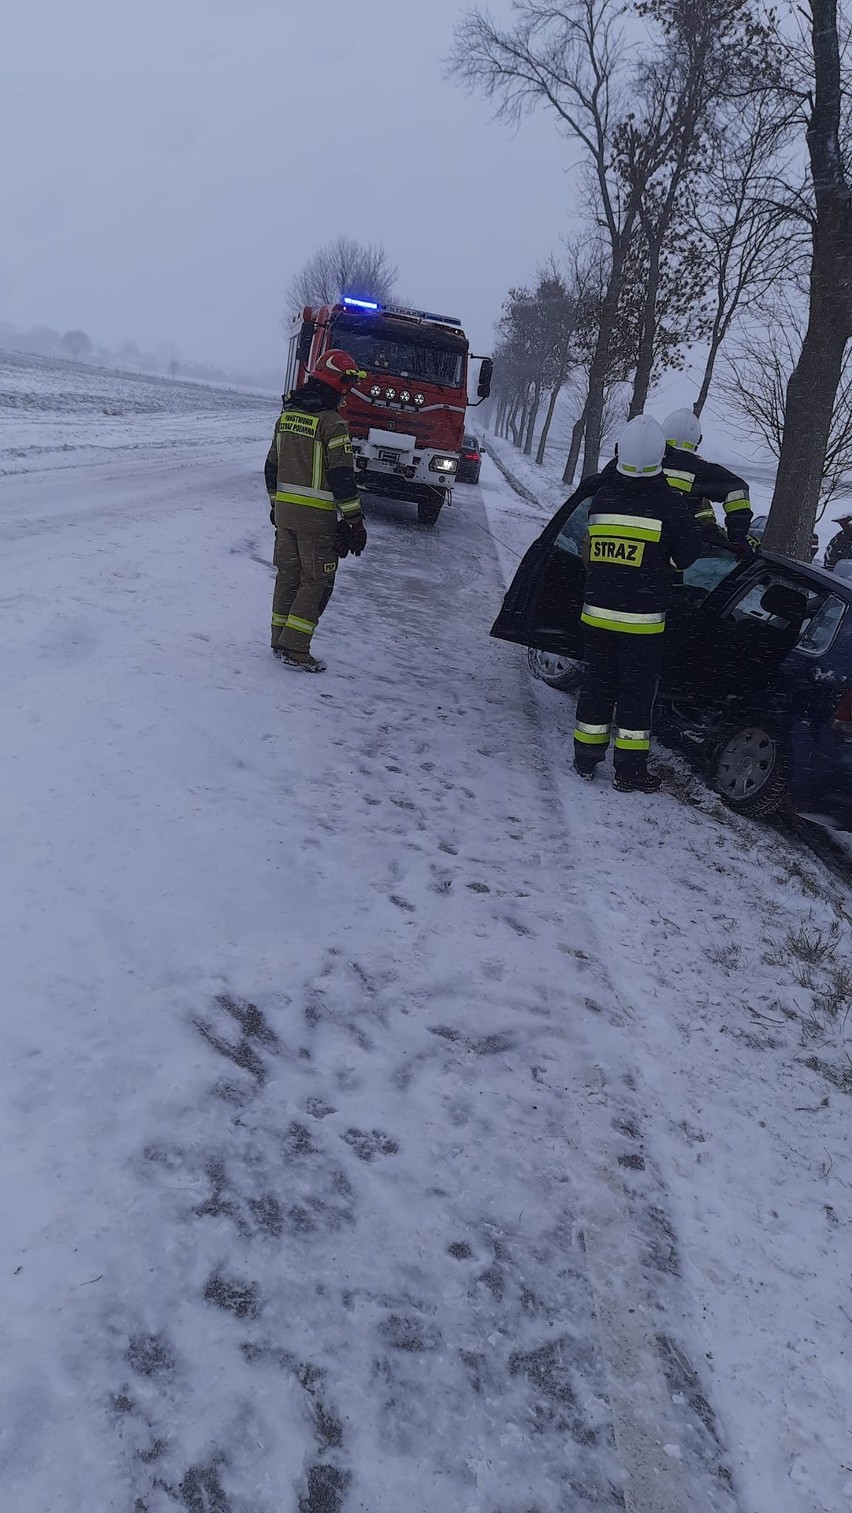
(351,536)
(357,534)
(742,547)
(271,510)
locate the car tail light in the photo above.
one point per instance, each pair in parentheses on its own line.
(841,721)
(470,456)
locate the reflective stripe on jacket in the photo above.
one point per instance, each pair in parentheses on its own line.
(310,458)
(700,480)
(637,528)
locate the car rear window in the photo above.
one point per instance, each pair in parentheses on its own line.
(820,630)
(819,627)
(573,532)
(469,442)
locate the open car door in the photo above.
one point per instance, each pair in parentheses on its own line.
(690,650)
(543,604)
(726,649)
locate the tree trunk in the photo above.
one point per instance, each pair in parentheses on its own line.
(522,421)
(574,450)
(647,344)
(811,393)
(721,322)
(812,389)
(514,428)
(599,366)
(716,340)
(535,403)
(545,430)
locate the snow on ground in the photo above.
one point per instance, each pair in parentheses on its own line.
(53,415)
(387,1122)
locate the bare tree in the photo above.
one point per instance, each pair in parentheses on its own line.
(342,266)
(748,239)
(815,380)
(706,56)
(76,344)
(756,383)
(571,57)
(573,309)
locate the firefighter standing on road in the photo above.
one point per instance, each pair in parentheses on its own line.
(310,478)
(839,548)
(638,528)
(704,483)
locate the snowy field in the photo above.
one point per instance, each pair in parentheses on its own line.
(388,1122)
(55,415)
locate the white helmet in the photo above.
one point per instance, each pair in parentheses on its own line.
(640,448)
(683,429)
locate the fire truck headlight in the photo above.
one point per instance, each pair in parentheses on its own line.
(419,399)
(405,396)
(375,392)
(390,393)
(444,464)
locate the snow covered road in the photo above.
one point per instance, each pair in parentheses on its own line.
(344,1162)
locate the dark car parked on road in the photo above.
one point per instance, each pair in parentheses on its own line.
(757,664)
(470,461)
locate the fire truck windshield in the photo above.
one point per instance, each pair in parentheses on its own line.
(395,351)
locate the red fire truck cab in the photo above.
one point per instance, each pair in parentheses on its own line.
(407,417)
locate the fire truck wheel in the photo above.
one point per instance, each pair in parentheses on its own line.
(428,510)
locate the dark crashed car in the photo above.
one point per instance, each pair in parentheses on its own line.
(470,461)
(757,664)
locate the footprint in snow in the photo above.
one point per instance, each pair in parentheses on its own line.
(368,1144)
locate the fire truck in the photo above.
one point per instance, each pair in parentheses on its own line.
(407,416)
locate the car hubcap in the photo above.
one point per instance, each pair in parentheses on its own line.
(550,666)
(746,763)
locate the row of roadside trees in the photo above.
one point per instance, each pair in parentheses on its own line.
(712,143)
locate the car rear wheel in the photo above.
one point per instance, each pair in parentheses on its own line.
(751,770)
(557,672)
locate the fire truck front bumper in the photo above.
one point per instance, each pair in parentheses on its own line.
(390,461)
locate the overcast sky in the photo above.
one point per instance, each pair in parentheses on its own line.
(168,164)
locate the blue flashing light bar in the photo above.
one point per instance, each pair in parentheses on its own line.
(361,304)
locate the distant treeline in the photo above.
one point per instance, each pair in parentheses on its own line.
(77,346)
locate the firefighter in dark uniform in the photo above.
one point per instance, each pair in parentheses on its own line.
(839,548)
(314,505)
(638,529)
(704,483)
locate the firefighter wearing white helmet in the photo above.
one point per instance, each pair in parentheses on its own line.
(704,483)
(638,527)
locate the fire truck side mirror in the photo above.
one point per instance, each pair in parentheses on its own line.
(306,336)
(486,373)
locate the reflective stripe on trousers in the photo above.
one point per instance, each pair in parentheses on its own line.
(620,679)
(591,735)
(632,740)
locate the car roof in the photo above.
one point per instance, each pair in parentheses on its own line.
(820,577)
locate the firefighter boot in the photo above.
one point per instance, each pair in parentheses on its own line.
(637,780)
(585,770)
(302,659)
